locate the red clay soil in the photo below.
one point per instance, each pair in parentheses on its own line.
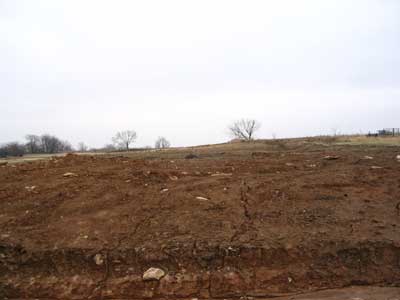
(260,224)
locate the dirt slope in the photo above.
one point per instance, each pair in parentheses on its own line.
(259,223)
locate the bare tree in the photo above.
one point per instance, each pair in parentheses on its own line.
(52,144)
(82,147)
(12,149)
(244,129)
(108,148)
(33,143)
(162,142)
(123,139)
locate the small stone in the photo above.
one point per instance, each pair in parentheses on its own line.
(98,259)
(222,174)
(376,167)
(174,178)
(368,157)
(202,198)
(331,157)
(289,164)
(30,188)
(398,157)
(70,174)
(164,190)
(153,274)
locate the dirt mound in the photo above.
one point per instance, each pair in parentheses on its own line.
(259,224)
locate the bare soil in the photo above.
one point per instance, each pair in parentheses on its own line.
(261,220)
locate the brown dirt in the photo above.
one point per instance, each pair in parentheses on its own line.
(274,219)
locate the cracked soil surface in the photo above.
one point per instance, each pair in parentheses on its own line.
(258,220)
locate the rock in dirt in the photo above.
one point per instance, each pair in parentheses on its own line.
(70,174)
(3,163)
(376,168)
(202,198)
(30,188)
(98,259)
(368,157)
(398,157)
(331,157)
(153,274)
(221,174)
(191,156)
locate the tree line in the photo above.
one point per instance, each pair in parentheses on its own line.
(36,144)
(243,129)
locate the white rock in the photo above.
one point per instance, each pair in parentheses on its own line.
(98,259)
(153,274)
(331,157)
(376,167)
(202,198)
(222,174)
(69,174)
(30,188)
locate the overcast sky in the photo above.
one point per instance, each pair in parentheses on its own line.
(83,70)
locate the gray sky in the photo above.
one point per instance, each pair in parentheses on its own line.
(83,70)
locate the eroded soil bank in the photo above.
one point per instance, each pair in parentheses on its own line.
(262,223)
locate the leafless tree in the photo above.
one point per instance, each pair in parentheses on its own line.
(162,142)
(123,139)
(12,149)
(109,148)
(244,129)
(52,144)
(33,143)
(82,147)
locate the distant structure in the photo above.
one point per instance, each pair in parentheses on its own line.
(386,132)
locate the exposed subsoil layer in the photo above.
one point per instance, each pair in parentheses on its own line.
(259,224)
